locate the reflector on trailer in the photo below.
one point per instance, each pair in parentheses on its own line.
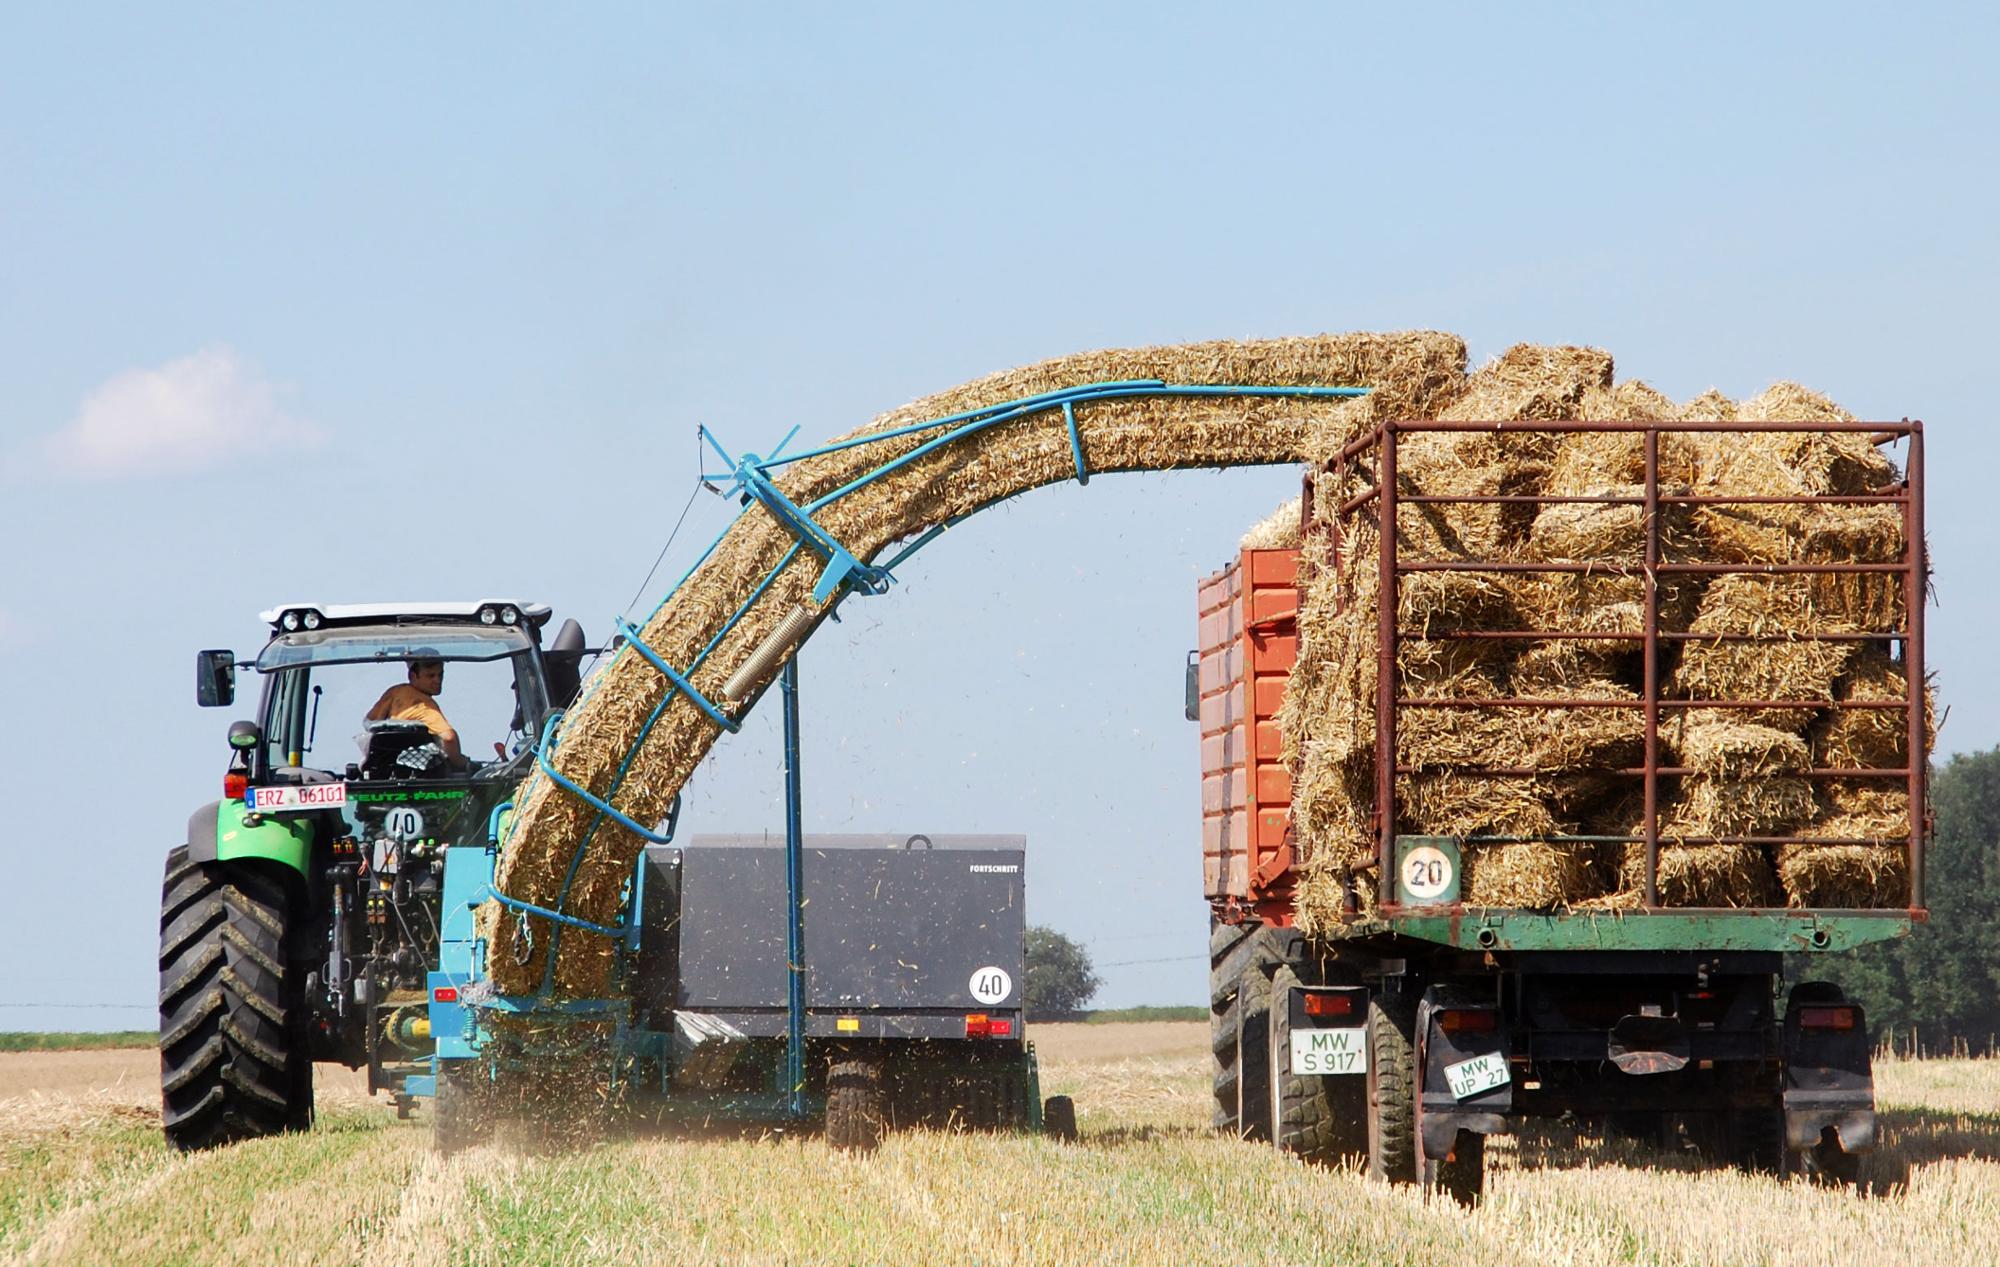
(999,1029)
(1329,1004)
(1468,1020)
(1826,1017)
(445,994)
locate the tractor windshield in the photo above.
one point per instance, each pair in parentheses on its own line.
(327,689)
(375,645)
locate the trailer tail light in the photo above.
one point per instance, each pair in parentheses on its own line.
(977,1025)
(445,994)
(1826,1017)
(1466,1020)
(1329,1004)
(235,786)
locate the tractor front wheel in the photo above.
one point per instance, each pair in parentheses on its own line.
(234,1062)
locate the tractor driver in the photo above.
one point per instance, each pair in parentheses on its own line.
(417,701)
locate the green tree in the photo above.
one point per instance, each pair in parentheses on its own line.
(1060,980)
(1941,985)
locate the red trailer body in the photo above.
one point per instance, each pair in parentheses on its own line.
(1249,639)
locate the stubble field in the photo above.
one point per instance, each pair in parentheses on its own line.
(84,1178)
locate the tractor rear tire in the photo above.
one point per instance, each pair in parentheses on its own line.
(234,1059)
(1320,1119)
(856,1109)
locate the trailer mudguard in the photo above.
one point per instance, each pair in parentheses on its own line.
(218,832)
(1829,1083)
(1441,1112)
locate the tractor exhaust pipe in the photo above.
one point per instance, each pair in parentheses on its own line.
(769,654)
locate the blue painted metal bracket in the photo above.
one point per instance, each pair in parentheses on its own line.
(1075,441)
(842,568)
(583,793)
(571,921)
(679,680)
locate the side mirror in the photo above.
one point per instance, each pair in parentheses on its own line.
(244,735)
(563,662)
(214,678)
(1194,686)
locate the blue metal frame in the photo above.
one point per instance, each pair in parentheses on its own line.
(843,574)
(795,934)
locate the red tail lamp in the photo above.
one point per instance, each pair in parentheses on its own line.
(235,786)
(1465,1020)
(1329,1004)
(1826,1018)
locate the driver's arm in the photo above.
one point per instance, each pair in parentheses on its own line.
(447,738)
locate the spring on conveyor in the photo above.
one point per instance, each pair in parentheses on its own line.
(768,655)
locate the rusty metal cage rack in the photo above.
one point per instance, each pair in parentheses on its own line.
(1382,497)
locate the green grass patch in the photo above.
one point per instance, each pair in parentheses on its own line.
(1192,1012)
(22,1040)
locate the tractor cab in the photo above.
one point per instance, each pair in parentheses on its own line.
(394,693)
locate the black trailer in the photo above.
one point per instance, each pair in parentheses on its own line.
(914,971)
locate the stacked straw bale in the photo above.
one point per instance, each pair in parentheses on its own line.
(1750,768)
(1408,372)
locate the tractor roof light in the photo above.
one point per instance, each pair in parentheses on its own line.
(311,620)
(488,616)
(290,621)
(510,616)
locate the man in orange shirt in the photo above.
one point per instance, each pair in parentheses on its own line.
(417,701)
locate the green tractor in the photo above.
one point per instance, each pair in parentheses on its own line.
(300,917)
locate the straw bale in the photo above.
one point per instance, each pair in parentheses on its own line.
(1689,874)
(1532,382)
(1533,875)
(1750,780)
(1699,875)
(1801,668)
(1857,877)
(1411,374)
(1586,459)
(1279,530)
(1870,738)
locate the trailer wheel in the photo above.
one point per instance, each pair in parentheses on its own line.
(1321,1119)
(1223,939)
(1392,1091)
(855,1119)
(1239,982)
(234,1062)
(1059,1118)
(1253,1054)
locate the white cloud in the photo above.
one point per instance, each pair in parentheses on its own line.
(191,414)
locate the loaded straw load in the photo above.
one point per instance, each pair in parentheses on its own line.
(1749,769)
(1407,373)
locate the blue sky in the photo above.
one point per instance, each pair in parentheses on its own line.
(395,304)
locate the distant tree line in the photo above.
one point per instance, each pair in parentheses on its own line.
(1060,980)
(1939,988)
